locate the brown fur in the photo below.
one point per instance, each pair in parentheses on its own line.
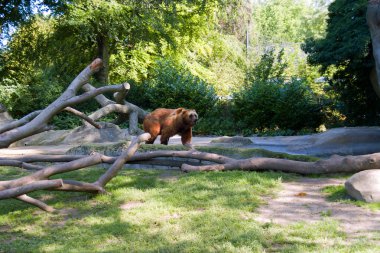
(169,122)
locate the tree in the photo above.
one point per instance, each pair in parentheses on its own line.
(15,12)
(288,21)
(128,35)
(120,27)
(346,52)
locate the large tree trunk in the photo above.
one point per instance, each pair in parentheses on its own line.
(104,54)
(373,20)
(40,180)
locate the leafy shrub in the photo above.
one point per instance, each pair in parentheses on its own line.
(218,120)
(274,104)
(269,100)
(297,106)
(170,86)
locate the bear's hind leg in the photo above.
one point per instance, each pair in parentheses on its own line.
(154,131)
(165,135)
(151,140)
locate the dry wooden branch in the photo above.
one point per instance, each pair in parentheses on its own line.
(82,116)
(33,186)
(136,114)
(68,98)
(121,160)
(35,202)
(20,122)
(335,164)
(39,123)
(39,180)
(148,156)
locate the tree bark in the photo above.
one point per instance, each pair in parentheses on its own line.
(373,21)
(335,164)
(83,116)
(135,114)
(40,180)
(40,120)
(104,54)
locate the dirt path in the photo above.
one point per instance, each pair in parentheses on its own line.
(303,201)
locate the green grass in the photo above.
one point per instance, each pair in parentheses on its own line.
(163,211)
(338,193)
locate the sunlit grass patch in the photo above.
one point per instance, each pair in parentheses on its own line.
(338,193)
(164,211)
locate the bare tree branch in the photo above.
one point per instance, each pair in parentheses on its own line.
(41,120)
(121,160)
(20,122)
(35,202)
(335,164)
(136,114)
(33,186)
(82,116)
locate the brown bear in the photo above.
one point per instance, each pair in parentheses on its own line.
(169,122)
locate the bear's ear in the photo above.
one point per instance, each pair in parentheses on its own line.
(179,110)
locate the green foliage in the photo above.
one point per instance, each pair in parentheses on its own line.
(21,75)
(284,21)
(15,12)
(66,121)
(218,120)
(269,100)
(171,86)
(345,56)
(219,59)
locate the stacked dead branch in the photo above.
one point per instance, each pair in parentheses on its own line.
(40,179)
(37,121)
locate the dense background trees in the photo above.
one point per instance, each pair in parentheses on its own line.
(239,63)
(345,57)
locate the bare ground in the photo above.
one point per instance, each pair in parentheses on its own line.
(304,201)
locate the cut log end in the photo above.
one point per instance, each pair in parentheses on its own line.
(127,86)
(96,65)
(143,137)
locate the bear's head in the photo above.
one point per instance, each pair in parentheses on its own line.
(189,117)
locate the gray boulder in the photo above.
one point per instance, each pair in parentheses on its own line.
(80,135)
(364,186)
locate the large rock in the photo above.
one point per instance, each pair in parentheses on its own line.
(364,186)
(339,141)
(5,117)
(80,135)
(89,134)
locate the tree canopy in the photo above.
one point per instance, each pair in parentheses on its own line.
(345,56)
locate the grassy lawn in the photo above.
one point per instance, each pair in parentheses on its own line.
(164,211)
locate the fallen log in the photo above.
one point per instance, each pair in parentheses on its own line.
(40,180)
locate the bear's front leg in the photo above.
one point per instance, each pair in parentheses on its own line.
(165,135)
(165,139)
(186,138)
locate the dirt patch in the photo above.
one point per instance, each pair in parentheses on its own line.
(169,176)
(131,205)
(303,201)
